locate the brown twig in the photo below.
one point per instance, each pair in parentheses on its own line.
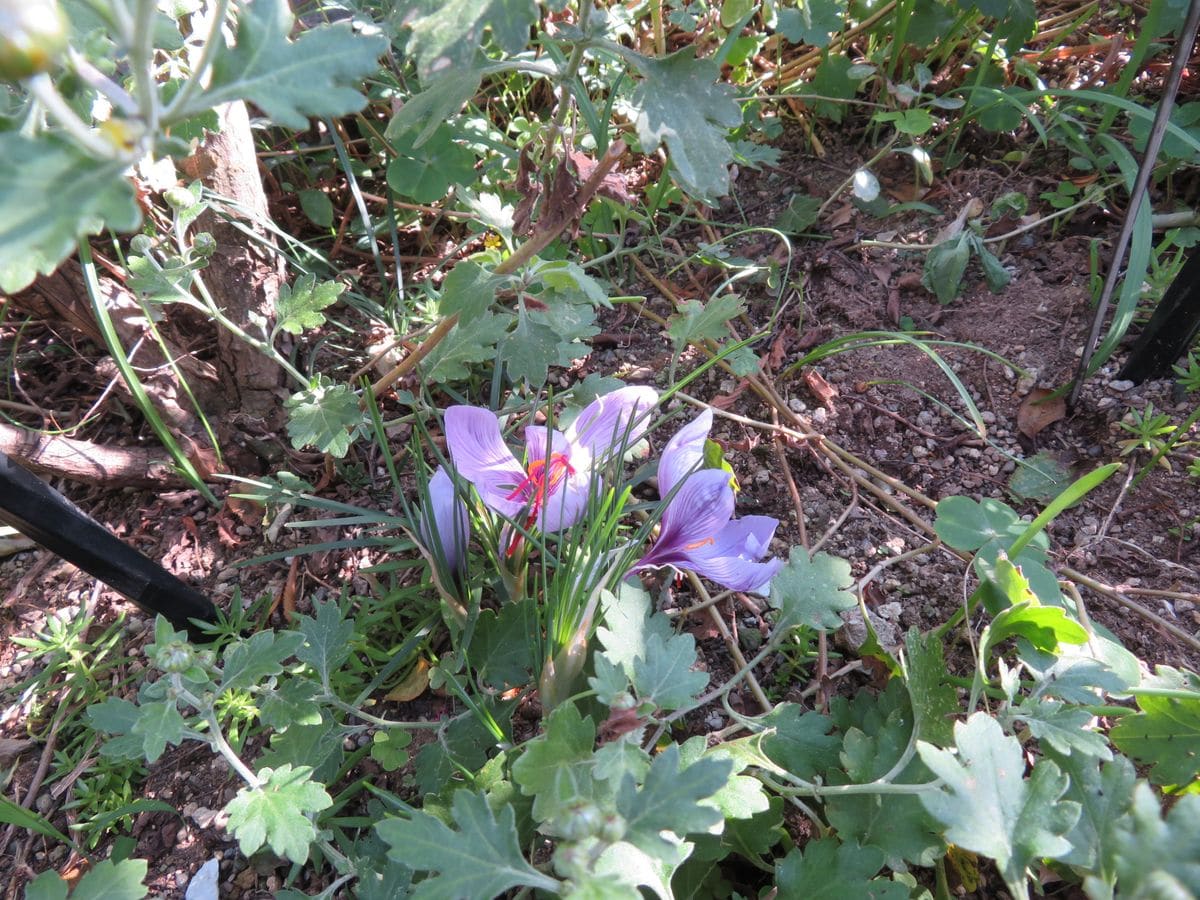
(548,228)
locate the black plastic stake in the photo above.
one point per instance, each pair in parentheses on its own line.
(1171,329)
(44,515)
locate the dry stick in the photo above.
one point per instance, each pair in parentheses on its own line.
(781,457)
(1113,594)
(35,784)
(1152,592)
(792,71)
(843,459)
(896,560)
(821,673)
(546,232)
(1138,196)
(734,650)
(409,362)
(840,521)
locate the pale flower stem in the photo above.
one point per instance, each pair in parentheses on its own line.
(734,650)
(47,94)
(196,79)
(215,736)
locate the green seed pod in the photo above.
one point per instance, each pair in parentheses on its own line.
(204,244)
(179,198)
(141,244)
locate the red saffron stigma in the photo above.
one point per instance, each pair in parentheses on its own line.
(539,483)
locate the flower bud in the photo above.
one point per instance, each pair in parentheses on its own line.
(174,657)
(33,36)
(204,245)
(141,244)
(179,198)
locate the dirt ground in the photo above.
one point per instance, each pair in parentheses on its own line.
(889,405)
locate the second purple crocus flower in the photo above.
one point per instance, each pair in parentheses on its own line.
(444,523)
(697,531)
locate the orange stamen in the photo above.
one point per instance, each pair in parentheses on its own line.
(696,545)
(539,482)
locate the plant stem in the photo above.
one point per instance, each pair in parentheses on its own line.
(178,106)
(141,61)
(43,89)
(215,736)
(335,701)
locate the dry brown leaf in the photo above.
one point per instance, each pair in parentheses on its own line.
(413,685)
(724,401)
(972,209)
(250,512)
(841,216)
(1036,412)
(820,388)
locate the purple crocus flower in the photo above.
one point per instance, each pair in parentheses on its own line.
(697,530)
(443,522)
(552,487)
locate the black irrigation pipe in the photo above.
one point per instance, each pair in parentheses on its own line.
(44,515)
(1183,51)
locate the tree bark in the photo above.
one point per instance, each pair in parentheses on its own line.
(244,274)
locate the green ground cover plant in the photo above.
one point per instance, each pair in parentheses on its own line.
(541,529)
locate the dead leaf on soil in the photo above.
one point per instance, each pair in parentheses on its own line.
(724,401)
(820,388)
(250,512)
(778,352)
(883,273)
(973,209)
(841,216)
(1036,412)
(10,748)
(814,336)
(413,685)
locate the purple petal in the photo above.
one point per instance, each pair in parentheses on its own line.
(618,418)
(737,574)
(695,516)
(748,537)
(535,443)
(731,559)
(684,452)
(480,455)
(568,501)
(448,527)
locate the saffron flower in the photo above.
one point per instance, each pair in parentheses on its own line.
(697,530)
(552,487)
(443,523)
